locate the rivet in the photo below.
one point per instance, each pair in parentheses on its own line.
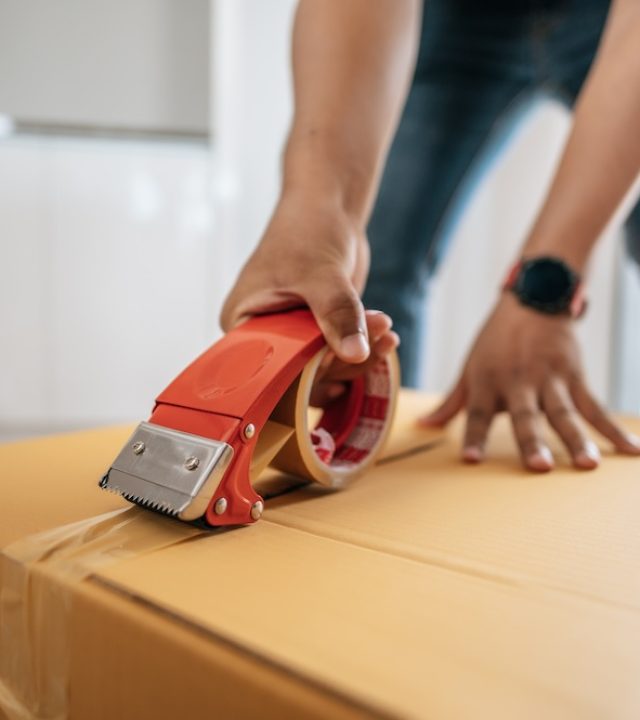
(192,462)
(257,509)
(220,506)
(249,431)
(138,447)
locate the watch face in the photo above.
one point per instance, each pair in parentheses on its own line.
(546,284)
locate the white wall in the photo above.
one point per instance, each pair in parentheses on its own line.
(132,65)
(625,354)
(251,107)
(106,260)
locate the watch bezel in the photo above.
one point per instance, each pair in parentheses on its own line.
(560,306)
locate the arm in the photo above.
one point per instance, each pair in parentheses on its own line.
(528,363)
(601,160)
(352,63)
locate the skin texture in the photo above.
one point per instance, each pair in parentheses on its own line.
(352,63)
(529,365)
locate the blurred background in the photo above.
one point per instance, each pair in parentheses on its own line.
(139,162)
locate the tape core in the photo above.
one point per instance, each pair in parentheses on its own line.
(350,432)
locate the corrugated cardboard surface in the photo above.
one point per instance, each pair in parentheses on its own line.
(428,589)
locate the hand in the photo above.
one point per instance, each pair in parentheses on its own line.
(333,374)
(528,364)
(313,254)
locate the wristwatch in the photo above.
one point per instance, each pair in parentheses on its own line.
(548,285)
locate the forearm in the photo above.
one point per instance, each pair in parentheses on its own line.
(352,63)
(601,160)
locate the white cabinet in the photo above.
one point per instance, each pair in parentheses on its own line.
(109,279)
(141,65)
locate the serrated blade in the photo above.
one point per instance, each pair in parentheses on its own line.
(168,471)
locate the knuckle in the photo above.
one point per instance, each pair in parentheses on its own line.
(490,376)
(596,415)
(518,373)
(561,414)
(524,415)
(575,377)
(478,415)
(529,444)
(341,303)
(574,438)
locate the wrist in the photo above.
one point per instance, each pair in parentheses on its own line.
(576,259)
(303,219)
(572,249)
(318,168)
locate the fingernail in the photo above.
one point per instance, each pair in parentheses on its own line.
(472,454)
(633,440)
(395,338)
(354,347)
(592,450)
(589,456)
(541,460)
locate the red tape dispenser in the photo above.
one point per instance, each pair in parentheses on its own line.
(243,405)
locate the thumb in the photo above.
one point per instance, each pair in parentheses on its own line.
(340,314)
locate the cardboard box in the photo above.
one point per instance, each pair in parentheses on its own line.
(427,589)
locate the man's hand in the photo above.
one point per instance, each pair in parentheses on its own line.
(314,254)
(528,364)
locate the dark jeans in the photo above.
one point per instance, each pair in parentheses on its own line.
(478,64)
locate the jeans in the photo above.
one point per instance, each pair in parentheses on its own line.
(479,64)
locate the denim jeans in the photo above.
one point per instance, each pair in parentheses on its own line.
(479,64)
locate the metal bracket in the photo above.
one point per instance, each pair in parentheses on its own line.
(173,472)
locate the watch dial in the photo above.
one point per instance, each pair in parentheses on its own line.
(546,283)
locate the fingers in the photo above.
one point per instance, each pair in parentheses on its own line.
(382,341)
(481,410)
(524,410)
(334,302)
(333,374)
(341,317)
(563,418)
(448,409)
(322,393)
(594,414)
(378,323)
(386,344)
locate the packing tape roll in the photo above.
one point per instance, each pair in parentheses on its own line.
(351,432)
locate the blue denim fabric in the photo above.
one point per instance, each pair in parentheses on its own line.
(480,64)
